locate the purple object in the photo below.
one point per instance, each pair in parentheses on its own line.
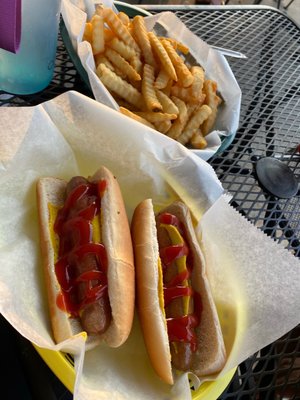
(10,25)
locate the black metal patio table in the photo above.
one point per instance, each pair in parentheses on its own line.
(269,126)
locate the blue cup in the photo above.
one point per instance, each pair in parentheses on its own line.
(31,69)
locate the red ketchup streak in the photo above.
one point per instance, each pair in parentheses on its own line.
(180,329)
(73,225)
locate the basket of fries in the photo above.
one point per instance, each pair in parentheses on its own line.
(155,70)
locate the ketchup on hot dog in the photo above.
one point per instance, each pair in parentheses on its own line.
(73,226)
(180,329)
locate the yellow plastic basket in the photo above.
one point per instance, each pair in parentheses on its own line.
(231,320)
(62,366)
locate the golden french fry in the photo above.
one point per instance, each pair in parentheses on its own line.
(122,88)
(97,34)
(196,120)
(185,77)
(137,63)
(168,105)
(163,126)
(197,86)
(122,48)
(210,89)
(162,79)
(162,55)
(177,45)
(186,95)
(101,59)
(177,127)
(118,27)
(182,107)
(213,101)
(156,116)
(123,103)
(113,68)
(141,35)
(122,64)
(132,115)
(167,89)
(108,35)
(148,90)
(131,30)
(124,18)
(182,93)
(209,123)
(119,72)
(198,141)
(88,29)
(191,107)
(182,47)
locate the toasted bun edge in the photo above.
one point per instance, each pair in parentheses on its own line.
(153,323)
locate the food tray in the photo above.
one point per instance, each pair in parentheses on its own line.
(62,365)
(131,11)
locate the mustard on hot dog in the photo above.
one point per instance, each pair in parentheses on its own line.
(178,316)
(87,256)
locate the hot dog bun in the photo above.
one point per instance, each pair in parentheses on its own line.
(210,356)
(116,238)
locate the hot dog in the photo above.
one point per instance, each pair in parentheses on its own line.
(178,316)
(88,257)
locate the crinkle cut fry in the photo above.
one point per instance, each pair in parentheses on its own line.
(163,126)
(118,27)
(213,101)
(97,34)
(142,38)
(176,129)
(184,75)
(167,104)
(122,64)
(162,55)
(196,120)
(119,86)
(148,90)
(122,48)
(198,141)
(156,116)
(87,35)
(162,79)
(199,77)
(133,115)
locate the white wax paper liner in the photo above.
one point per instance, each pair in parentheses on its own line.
(255,281)
(214,63)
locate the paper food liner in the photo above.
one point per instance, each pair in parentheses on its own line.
(255,281)
(164,24)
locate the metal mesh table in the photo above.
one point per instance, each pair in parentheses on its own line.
(269,126)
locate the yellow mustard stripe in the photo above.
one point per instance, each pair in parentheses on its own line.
(160,288)
(96,231)
(176,238)
(53,211)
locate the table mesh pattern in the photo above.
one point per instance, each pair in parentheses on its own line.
(270,110)
(269,126)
